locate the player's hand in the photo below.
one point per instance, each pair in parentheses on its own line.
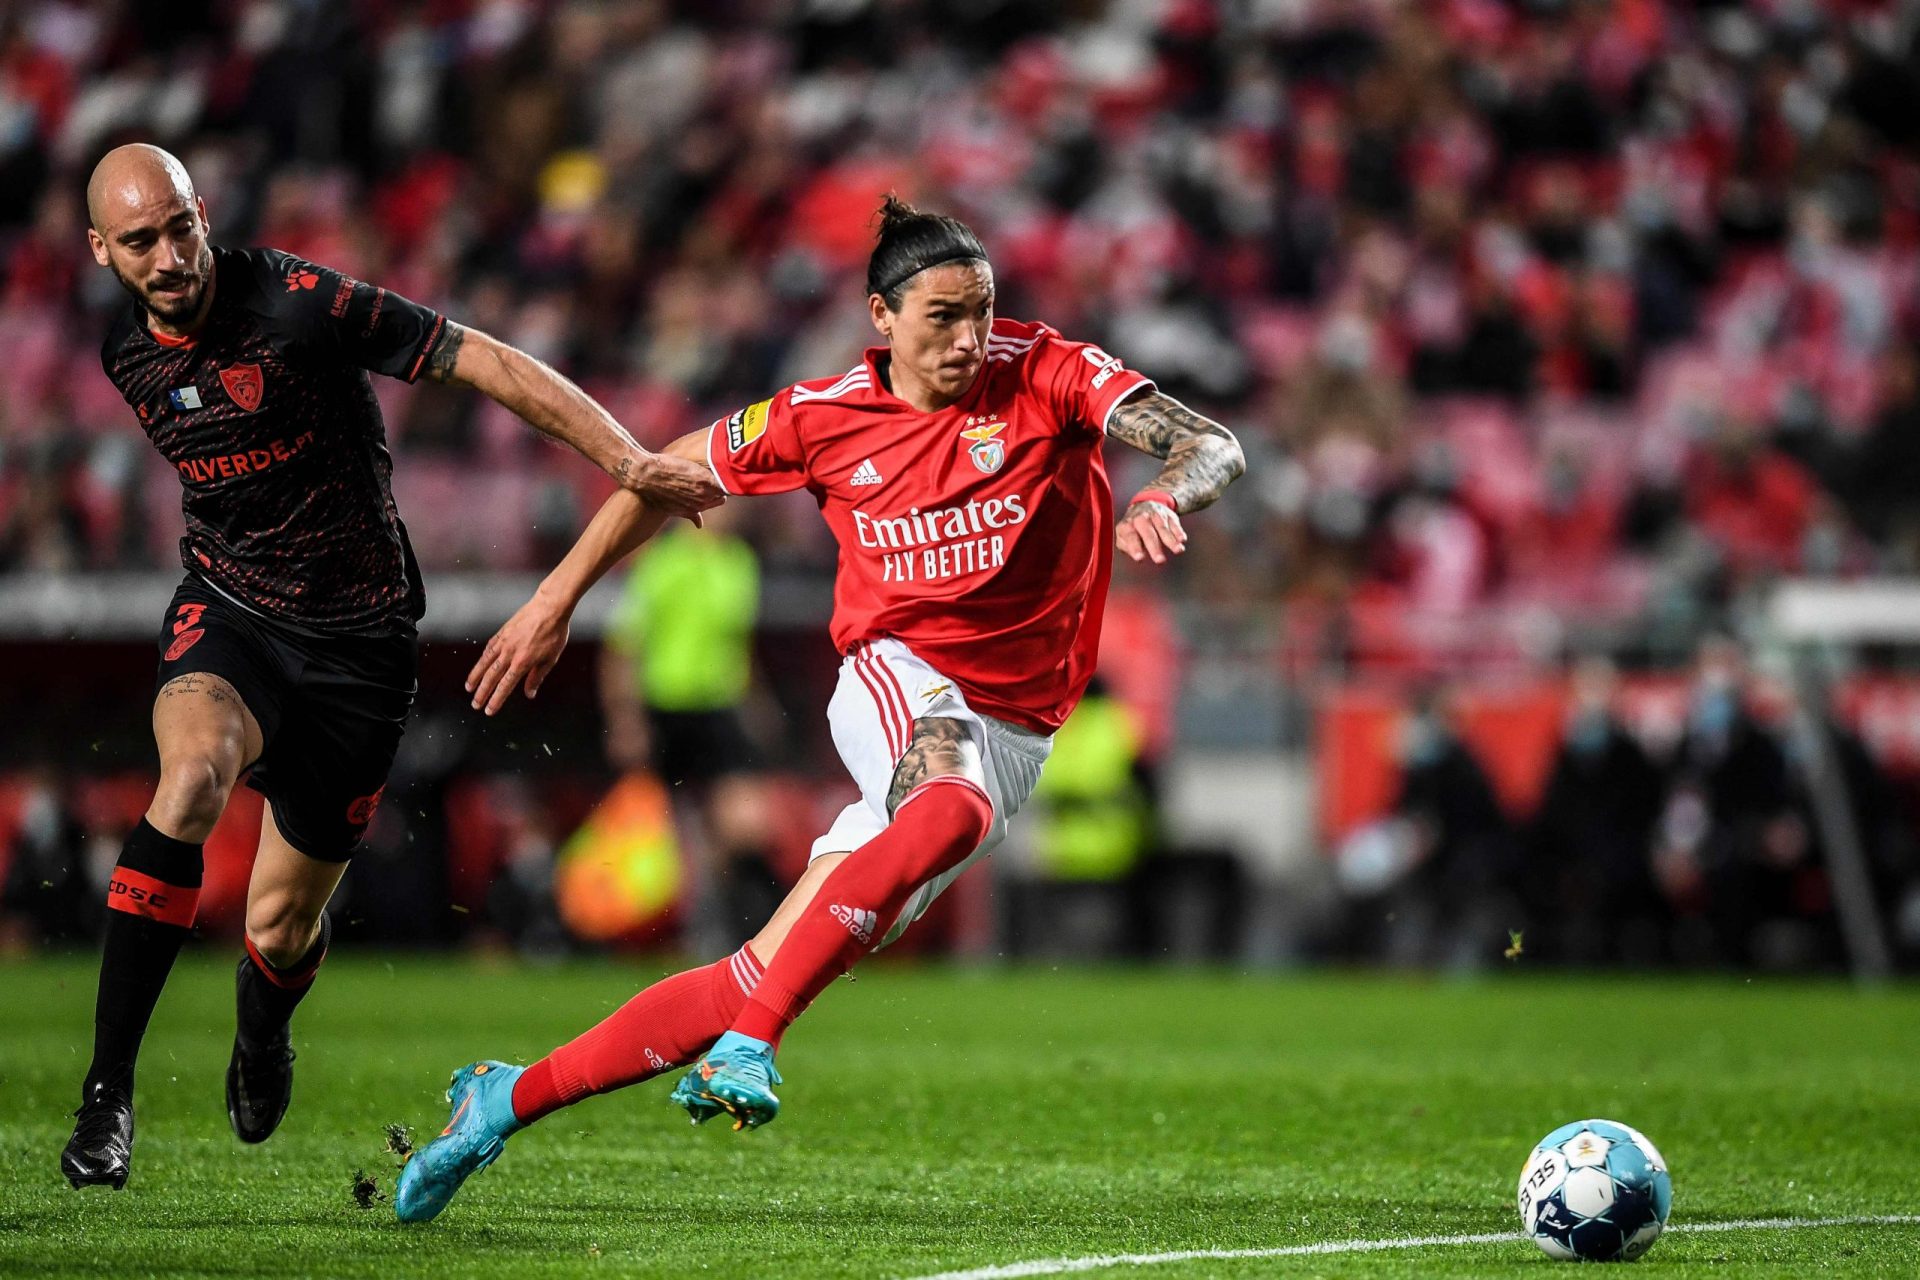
(525,648)
(1150,531)
(677,486)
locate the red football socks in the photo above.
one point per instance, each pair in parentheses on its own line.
(670,1023)
(936,827)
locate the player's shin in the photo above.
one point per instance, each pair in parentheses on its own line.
(935,828)
(268,993)
(665,1026)
(260,1072)
(152,898)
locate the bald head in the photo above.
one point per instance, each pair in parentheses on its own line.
(131,178)
(151,230)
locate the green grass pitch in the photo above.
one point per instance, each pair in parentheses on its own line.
(939,1119)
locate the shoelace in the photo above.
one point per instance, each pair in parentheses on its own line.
(99,1117)
(752,1064)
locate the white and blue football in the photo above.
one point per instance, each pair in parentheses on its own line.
(1595,1191)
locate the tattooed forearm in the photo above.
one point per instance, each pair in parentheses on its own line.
(939,746)
(446,353)
(1202,456)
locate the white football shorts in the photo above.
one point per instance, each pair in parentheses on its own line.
(883,689)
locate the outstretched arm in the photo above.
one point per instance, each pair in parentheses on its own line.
(555,407)
(528,644)
(1202,459)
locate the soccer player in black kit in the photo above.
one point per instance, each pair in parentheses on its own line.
(289,648)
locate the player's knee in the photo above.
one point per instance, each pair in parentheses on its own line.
(193,790)
(969,809)
(281,928)
(964,765)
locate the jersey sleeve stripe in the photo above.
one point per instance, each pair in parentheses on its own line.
(433,337)
(715,467)
(1142,382)
(853,381)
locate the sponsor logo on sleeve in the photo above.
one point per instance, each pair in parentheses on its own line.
(747,425)
(1105,366)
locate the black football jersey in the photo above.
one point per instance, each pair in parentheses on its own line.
(269,418)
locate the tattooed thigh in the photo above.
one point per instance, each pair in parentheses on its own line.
(201,714)
(199,684)
(939,746)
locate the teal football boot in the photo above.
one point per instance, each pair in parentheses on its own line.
(482,1097)
(735,1076)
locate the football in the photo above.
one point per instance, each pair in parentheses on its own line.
(1595,1191)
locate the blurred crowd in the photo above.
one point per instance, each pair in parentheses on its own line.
(1724,838)
(1546,324)
(1600,305)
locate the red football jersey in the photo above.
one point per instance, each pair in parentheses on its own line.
(980,536)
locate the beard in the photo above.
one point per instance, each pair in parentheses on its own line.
(173,309)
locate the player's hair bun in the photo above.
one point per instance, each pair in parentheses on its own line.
(910,241)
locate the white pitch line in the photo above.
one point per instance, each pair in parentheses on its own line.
(1062,1266)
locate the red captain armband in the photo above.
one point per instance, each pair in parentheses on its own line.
(1155,495)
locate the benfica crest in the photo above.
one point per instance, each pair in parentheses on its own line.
(989,453)
(244,383)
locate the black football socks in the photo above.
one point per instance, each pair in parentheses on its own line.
(269,993)
(152,897)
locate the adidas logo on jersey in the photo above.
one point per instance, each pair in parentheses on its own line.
(859,922)
(865,473)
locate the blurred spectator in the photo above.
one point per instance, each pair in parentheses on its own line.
(1875,477)
(1729,826)
(1094,817)
(48,895)
(1590,873)
(1754,502)
(1437,883)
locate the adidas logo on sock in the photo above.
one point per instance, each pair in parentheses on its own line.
(865,473)
(859,922)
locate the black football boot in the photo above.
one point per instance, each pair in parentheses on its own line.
(100,1153)
(260,1073)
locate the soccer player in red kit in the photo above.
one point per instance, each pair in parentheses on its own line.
(959,469)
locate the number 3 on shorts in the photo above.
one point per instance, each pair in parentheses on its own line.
(186,630)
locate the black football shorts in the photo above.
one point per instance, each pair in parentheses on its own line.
(696,748)
(331,709)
